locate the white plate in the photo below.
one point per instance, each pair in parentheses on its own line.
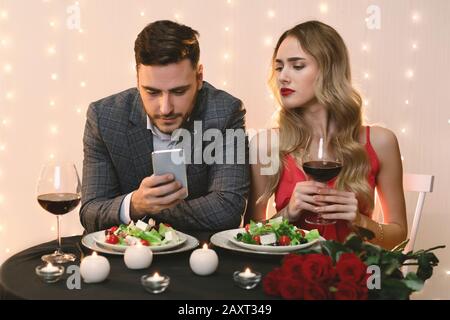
(225,239)
(91,241)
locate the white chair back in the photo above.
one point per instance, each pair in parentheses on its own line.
(422,183)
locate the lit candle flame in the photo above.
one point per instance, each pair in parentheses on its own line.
(156,277)
(94,254)
(49,268)
(205,246)
(247,271)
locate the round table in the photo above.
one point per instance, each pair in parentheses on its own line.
(18,279)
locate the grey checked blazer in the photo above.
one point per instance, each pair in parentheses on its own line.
(117,156)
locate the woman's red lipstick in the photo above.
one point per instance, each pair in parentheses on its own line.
(286,92)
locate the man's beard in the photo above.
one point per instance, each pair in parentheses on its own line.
(175,115)
(171,116)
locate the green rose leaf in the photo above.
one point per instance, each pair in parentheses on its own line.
(334,249)
(354,242)
(413,282)
(394,289)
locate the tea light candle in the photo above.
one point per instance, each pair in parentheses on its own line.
(49,268)
(155,278)
(156,283)
(138,256)
(50,273)
(204,261)
(94,268)
(247,279)
(247,274)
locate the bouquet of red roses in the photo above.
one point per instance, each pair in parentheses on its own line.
(314,277)
(340,271)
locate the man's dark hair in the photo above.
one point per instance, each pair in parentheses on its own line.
(164,42)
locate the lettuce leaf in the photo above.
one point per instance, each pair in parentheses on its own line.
(153,237)
(163,229)
(312,235)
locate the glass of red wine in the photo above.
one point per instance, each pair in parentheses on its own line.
(322,163)
(59,192)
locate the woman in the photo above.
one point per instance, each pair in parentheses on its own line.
(312,81)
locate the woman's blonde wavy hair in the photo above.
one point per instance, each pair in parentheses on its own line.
(334,90)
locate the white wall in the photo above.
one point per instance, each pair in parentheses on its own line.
(32,128)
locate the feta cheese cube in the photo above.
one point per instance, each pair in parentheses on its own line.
(268,239)
(171,236)
(142,225)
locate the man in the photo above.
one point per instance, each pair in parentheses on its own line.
(122,131)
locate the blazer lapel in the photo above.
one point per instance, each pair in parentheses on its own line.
(140,140)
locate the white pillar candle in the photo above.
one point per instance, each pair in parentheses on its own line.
(94,268)
(204,261)
(138,256)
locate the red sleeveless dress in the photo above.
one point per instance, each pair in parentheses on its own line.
(292,174)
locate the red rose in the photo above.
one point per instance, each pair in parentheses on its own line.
(351,291)
(315,291)
(291,289)
(270,283)
(317,268)
(351,269)
(292,257)
(292,266)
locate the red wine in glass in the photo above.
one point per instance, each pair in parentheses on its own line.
(322,171)
(59,203)
(59,192)
(321,163)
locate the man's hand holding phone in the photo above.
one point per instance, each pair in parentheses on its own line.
(156,193)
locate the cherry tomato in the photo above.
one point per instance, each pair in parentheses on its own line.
(145,242)
(112,239)
(257,239)
(247,227)
(301,232)
(113,229)
(110,230)
(284,241)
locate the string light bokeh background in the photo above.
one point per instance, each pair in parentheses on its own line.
(49,73)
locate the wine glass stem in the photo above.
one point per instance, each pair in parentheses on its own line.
(58,233)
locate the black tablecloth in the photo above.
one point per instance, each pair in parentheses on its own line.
(18,278)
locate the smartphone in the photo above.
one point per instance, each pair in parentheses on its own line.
(170,161)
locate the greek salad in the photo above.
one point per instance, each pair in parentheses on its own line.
(275,232)
(145,233)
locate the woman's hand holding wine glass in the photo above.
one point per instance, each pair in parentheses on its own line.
(321,162)
(302,199)
(340,205)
